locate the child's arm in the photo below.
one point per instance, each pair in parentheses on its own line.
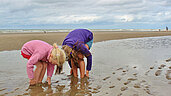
(50,70)
(87,54)
(87,72)
(30,65)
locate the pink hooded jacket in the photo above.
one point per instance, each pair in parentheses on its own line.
(39,51)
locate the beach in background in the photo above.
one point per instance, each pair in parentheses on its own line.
(137,66)
(14,40)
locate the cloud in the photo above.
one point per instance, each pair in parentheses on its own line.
(67,19)
(20,12)
(126,18)
(117,2)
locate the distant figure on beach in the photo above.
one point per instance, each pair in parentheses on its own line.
(166,29)
(43,55)
(76,45)
(44,31)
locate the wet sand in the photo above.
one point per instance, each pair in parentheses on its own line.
(128,67)
(14,41)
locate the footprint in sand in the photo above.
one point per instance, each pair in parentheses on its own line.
(168,60)
(146,73)
(135,95)
(124,70)
(111,86)
(143,81)
(158,72)
(132,79)
(168,74)
(119,69)
(96,90)
(119,79)
(161,66)
(113,73)
(123,74)
(106,78)
(126,83)
(151,67)
(135,74)
(56,81)
(137,85)
(120,94)
(64,79)
(147,91)
(124,88)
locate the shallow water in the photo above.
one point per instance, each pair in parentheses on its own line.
(129,67)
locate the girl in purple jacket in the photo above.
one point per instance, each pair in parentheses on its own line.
(76,45)
(43,55)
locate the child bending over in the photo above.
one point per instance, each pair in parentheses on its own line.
(44,56)
(76,45)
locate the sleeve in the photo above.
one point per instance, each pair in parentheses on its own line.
(90,43)
(50,69)
(30,65)
(87,54)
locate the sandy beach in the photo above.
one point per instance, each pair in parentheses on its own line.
(15,41)
(124,64)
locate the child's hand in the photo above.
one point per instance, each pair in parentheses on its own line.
(49,80)
(32,82)
(87,73)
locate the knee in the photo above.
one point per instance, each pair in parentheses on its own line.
(44,64)
(39,65)
(81,61)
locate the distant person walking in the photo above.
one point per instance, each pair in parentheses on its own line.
(76,45)
(166,29)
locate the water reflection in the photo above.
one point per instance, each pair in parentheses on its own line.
(76,87)
(79,87)
(40,90)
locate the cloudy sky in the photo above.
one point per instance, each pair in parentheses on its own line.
(93,14)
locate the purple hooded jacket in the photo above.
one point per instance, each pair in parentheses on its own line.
(78,38)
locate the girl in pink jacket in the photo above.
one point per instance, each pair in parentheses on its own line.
(43,55)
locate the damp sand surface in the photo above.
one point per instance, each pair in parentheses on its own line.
(128,67)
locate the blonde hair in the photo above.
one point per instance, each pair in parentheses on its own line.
(67,50)
(59,55)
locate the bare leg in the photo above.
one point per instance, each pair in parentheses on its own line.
(82,68)
(74,68)
(38,70)
(42,72)
(71,72)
